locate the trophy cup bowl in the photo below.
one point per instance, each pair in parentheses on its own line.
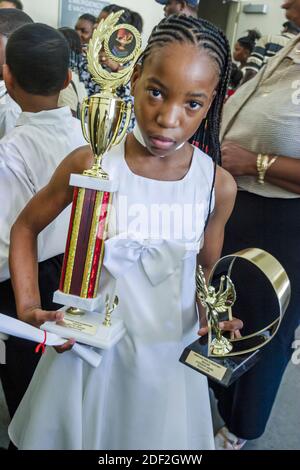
(105,114)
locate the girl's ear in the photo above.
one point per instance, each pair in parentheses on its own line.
(135,77)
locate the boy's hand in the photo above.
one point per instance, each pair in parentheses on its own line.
(36,317)
(235,325)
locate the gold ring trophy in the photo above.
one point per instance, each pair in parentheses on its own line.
(256,283)
(88,314)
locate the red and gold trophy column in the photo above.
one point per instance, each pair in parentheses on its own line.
(105,120)
(85,244)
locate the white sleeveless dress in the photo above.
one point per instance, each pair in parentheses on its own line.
(140,397)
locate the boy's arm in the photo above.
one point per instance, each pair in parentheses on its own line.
(225,193)
(40,212)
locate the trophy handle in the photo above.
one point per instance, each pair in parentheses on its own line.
(85,105)
(128,112)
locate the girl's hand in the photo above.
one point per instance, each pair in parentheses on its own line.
(235,325)
(36,317)
(237,160)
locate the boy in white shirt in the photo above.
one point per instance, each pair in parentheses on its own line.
(36,70)
(10,20)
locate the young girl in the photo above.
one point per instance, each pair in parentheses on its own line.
(75,93)
(245,46)
(141,397)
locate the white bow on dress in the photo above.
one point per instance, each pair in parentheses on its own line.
(159,258)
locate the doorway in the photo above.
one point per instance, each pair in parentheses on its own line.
(223,13)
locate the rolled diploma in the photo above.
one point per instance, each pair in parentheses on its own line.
(13,327)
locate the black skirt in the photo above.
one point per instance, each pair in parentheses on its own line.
(274,226)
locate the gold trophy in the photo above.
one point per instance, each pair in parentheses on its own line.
(225,359)
(85,286)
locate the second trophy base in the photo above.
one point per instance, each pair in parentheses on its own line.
(223,370)
(88,329)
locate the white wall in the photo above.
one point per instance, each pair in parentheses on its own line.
(46,11)
(266,24)
(43,11)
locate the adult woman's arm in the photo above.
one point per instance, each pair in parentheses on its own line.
(285,172)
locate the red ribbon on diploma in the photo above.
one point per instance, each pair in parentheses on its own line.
(42,345)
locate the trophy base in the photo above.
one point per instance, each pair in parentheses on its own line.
(88,328)
(96,304)
(223,370)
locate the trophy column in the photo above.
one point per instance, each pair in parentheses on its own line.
(88,313)
(85,243)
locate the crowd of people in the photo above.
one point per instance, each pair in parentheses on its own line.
(204,119)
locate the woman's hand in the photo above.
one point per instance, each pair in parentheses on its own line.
(36,316)
(237,160)
(234,326)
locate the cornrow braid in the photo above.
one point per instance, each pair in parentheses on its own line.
(206,36)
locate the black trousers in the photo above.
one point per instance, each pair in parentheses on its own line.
(21,359)
(272,225)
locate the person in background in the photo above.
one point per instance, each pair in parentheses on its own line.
(292,11)
(75,92)
(175,7)
(113,8)
(85,27)
(290,28)
(29,155)
(236,76)
(124,92)
(10,20)
(11,4)
(128,17)
(137,21)
(267,47)
(261,124)
(244,47)
(134,19)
